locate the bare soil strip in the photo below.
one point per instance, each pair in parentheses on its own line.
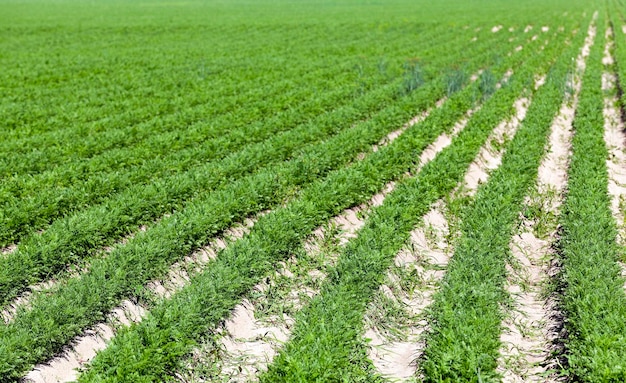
(63,367)
(616,145)
(415,120)
(394,321)
(83,349)
(258,327)
(532,327)
(249,341)
(23,300)
(490,155)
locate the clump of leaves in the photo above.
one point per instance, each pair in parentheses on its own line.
(455,80)
(413,77)
(487,84)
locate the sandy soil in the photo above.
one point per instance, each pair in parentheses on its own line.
(428,256)
(489,158)
(63,367)
(396,133)
(415,120)
(531,328)
(616,144)
(24,299)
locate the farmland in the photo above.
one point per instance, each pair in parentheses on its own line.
(312,191)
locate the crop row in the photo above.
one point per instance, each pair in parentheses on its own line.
(147,255)
(30,203)
(332,327)
(284,87)
(71,239)
(593,299)
(211,295)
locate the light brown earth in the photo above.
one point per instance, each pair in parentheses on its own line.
(530,329)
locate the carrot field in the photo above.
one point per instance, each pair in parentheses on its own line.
(312,191)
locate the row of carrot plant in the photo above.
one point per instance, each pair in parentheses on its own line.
(211,295)
(32,202)
(71,239)
(591,286)
(332,327)
(52,320)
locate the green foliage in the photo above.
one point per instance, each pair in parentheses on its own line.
(487,83)
(464,341)
(189,116)
(331,327)
(455,80)
(593,298)
(413,77)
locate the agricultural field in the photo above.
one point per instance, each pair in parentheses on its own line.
(312,191)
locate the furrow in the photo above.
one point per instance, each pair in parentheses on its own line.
(247,342)
(490,157)
(64,367)
(533,324)
(419,268)
(179,275)
(5,251)
(616,144)
(396,133)
(22,302)
(433,218)
(444,139)
(394,320)
(592,294)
